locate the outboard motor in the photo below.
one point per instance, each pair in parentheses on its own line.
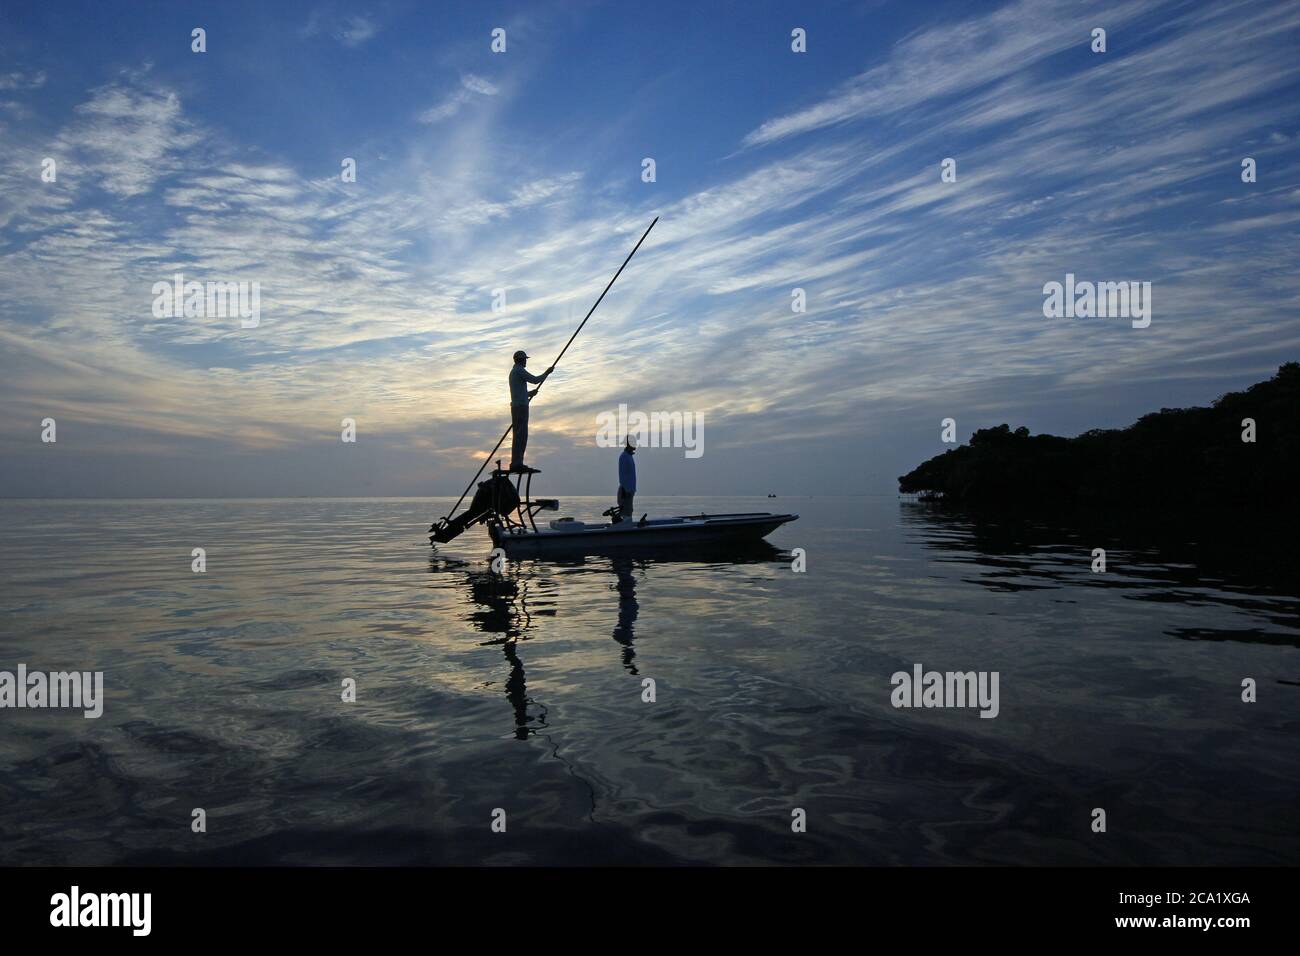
(494,496)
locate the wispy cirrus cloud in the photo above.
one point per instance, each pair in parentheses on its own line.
(349,29)
(22,81)
(471,87)
(126,137)
(952,59)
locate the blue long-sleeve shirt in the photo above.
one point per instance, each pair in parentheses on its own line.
(627,472)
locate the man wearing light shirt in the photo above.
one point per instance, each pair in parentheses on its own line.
(627,479)
(520,396)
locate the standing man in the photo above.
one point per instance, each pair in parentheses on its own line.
(627,479)
(520,396)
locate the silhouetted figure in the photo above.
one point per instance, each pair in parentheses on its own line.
(520,396)
(627,479)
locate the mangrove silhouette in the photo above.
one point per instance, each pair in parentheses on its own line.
(1176,457)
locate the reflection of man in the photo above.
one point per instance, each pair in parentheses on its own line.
(627,611)
(520,378)
(627,479)
(501,603)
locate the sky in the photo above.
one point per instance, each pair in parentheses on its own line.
(523,170)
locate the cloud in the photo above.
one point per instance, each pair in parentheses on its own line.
(356,30)
(351,30)
(949,60)
(17,110)
(471,86)
(22,81)
(126,137)
(476,84)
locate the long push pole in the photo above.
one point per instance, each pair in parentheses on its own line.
(506,433)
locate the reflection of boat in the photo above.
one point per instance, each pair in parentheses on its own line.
(504,604)
(510,513)
(502,610)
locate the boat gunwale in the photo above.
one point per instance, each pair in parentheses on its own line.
(742,520)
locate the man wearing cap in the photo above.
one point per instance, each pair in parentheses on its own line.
(627,479)
(520,396)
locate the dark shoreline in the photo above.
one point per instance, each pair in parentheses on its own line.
(1242,451)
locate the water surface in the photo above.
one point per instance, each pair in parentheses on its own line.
(523,691)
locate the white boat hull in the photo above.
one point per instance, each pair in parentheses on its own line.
(654,534)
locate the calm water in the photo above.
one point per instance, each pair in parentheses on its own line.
(523,691)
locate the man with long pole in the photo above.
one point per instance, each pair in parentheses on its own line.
(440,527)
(520,396)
